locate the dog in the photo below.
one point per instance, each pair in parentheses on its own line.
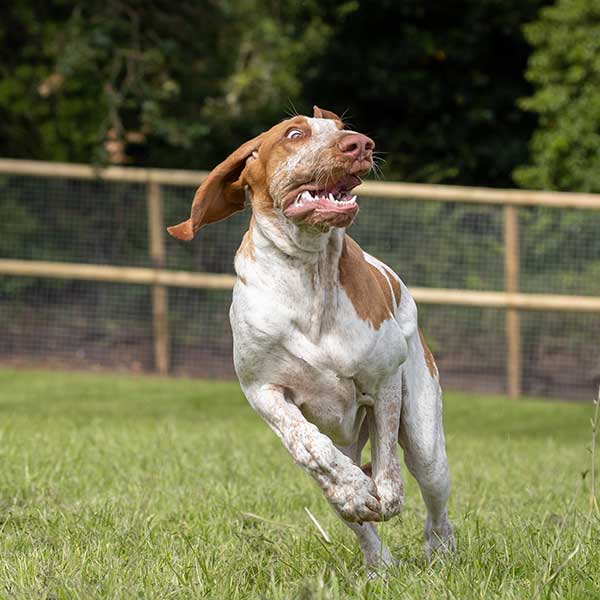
(326,343)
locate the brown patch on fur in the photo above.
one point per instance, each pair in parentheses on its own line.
(395,284)
(365,285)
(274,149)
(384,285)
(246,248)
(429,360)
(367,469)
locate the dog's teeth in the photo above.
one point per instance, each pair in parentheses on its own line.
(331,198)
(306,196)
(352,199)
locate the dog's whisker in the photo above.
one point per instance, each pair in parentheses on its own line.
(378,170)
(291,109)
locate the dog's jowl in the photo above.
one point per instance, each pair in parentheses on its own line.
(326,343)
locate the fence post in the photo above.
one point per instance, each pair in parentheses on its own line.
(160,307)
(511,284)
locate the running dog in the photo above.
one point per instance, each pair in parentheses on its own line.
(326,343)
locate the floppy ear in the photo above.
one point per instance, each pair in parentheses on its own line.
(321,113)
(221,193)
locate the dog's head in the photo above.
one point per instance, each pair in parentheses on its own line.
(302,170)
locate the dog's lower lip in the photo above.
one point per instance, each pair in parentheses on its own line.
(320,207)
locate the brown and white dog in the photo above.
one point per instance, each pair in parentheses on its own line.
(326,343)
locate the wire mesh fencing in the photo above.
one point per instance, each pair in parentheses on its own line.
(68,322)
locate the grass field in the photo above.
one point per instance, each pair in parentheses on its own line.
(124,487)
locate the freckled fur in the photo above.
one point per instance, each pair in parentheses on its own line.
(328,351)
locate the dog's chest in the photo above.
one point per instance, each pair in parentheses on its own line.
(311,340)
(306,336)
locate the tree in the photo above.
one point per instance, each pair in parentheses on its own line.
(565,70)
(434,83)
(147,82)
(565,147)
(154,84)
(562,248)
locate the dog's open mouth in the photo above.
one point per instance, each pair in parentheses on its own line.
(332,204)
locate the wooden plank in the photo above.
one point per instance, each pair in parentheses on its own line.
(380,189)
(185,279)
(512,318)
(545,302)
(9,166)
(160,307)
(478,195)
(108,273)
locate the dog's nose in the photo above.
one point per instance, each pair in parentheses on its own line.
(356,145)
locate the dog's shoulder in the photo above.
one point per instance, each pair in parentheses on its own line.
(373,288)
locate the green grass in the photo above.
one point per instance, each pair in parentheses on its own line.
(124,487)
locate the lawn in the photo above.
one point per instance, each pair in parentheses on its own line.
(139,487)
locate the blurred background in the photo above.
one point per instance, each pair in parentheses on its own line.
(478,93)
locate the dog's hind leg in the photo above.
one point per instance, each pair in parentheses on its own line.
(422,439)
(384,423)
(375,554)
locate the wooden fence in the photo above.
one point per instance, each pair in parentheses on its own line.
(511,300)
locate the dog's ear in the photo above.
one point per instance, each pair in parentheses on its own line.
(221,193)
(321,113)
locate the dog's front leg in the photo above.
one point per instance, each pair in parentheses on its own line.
(351,493)
(384,422)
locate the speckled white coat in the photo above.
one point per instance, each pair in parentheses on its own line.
(325,379)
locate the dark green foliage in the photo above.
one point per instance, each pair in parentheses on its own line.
(564,151)
(167,85)
(435,84)
(565,69)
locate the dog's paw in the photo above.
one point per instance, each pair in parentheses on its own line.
(354,496)
(439,540)
(390,490)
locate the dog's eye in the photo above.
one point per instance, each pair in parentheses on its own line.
(292,134)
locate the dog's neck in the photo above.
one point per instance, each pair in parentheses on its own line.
(276,237)
(298,267)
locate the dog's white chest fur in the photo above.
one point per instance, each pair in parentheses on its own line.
(297,328)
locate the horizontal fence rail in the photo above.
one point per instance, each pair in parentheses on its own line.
(380,189)
(159,278)
(212,281)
